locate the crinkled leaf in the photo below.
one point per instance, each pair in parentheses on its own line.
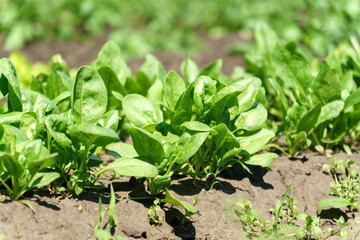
(213,70)
(34,100)
(203,96)
(12,118)
(57,126)
(9,84)
(29,124)
(353,99)
(330,111)
(113,85)
(253,119)
(43,179)
(87,134)
(19,134)
(89,99)
(253,143)
(174,86)
(187,146)
(110,120)
(280,93)
(140,111)
(147,145)
(198,127)
(327,85)
(110,55)
(308,120)
(122,149)
(189,70)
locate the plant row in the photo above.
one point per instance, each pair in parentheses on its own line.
(196,124)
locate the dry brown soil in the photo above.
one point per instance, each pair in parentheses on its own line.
(58,217)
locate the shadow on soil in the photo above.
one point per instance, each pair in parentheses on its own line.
(256,177)
(47,205)
(302,159)
(333,213)
(189,187)
(183,230)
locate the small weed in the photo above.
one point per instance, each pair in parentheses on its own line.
(283,215)
(112,221)
(153,213)
(284,223)
(17,232)
(345,186)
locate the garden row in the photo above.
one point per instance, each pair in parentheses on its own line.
(196,124)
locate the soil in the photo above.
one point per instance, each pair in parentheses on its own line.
(59,217)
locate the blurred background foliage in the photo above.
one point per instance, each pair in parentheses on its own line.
(142,26)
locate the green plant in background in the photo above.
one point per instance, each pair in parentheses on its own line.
(315,102)
(25,69)
(345,186)
(140,33)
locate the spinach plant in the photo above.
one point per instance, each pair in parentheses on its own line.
(73,133)
(23,164)
(153,157)
(76,133)
(222,116)
(311,100)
